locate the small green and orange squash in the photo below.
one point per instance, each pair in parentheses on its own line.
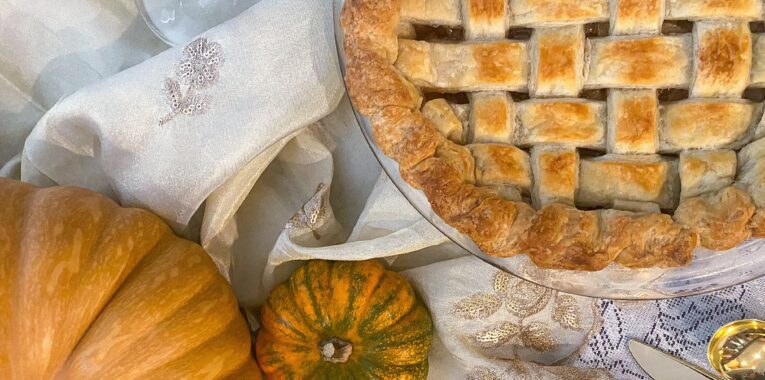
(91,290)
(344,320)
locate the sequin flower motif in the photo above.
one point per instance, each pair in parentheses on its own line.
(197,71)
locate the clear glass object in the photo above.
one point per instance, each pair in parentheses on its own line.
(178,21)
(709,270)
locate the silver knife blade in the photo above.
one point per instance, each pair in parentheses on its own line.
(662,366)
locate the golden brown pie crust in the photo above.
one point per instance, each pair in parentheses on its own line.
(557,235)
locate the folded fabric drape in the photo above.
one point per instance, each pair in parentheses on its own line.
(167,133)
(48,52)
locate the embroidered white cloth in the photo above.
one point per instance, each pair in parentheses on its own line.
(220,138)
(167,133)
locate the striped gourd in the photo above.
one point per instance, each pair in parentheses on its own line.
(344,320)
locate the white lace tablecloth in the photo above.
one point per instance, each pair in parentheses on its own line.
(680,326)
(315,192)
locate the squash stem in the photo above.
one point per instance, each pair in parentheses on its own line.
(335,350)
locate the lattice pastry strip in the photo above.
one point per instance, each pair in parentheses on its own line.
(757,73)
(627,16)
(722,59)
(636,16)
(633,121)
(498,65)
(441,113)
(705,171)
(521,12)
(572,122)
(707,124)
(536,13)
(485,19)
(636,206)
(502,165)
(492,118)
(431,12)
(557,62)
(713,9)
(602,180)
(714,62)
(556,174)
(639,62)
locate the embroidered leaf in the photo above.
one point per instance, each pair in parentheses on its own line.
(502,282)
(567,313)
(196,104)
(483,373)
(537,336)
(479,305)
(173,94)
(314,213)
(495,336)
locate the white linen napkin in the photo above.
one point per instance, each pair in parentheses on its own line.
(165,134)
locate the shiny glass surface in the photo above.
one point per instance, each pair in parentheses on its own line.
(176,22)
(709,270)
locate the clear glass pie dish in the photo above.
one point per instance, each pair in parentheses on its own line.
(708,271)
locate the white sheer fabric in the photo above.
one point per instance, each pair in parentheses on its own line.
(165,134)
(49,49)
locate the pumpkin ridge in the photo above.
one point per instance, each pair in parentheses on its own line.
(79,271)
(333,317)
(378,282)
(270,354)
(74,349)
(38,200)
(280,320)
(164,251)
(345,326)
(236,328)
(210,293)
(13,212)
(287,324)
(405,341)
(385,304)
(348,294)
(362,308)
(318,326)
(118,286)
(417,308)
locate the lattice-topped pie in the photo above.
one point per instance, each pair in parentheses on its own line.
(579,132)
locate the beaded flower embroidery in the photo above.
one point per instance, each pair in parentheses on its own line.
(197,71)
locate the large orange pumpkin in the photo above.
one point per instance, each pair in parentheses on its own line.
(344,320)
(89,290)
